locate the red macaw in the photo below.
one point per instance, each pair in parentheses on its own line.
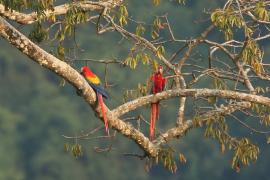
(95,83)
(158,86)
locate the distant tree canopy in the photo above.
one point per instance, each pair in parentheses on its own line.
(227,86)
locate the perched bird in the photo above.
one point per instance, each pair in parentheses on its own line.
(158,86)
(95,83)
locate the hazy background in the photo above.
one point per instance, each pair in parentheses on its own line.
(35,111)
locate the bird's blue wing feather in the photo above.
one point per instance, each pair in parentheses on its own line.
(99,89)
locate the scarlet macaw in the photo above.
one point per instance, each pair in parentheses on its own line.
(95,83)
(158,86)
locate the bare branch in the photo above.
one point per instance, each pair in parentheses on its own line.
(182,130)
(249,127)
(139,39)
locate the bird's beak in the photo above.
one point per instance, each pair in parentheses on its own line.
(81,72)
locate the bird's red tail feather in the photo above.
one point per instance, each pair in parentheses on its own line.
(100,101)
(153,118)
(157,112)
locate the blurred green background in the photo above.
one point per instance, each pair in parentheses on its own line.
(35,111)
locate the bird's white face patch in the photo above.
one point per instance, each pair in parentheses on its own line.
(160,69)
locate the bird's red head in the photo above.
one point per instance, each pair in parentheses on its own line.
(85,70)
(160,69)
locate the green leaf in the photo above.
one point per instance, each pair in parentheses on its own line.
(268,140)
(140,30)
(61,51)
(160,51)
(66,147)
(122,15)
(261,12)
(156,2)
(38,33)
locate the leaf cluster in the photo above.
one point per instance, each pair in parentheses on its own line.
(157,2)
(226,20)
(252,56)
(261,12)
(76,149)
(133,59)
(122,15)
(167,159)
(244,150)
(156,27)
(263,112)
(38,33)
(244,153)
(142,90)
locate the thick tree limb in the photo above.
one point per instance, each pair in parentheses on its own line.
(192,93)
(30,18)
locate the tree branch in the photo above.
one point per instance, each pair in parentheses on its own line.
(129,106)
(30,18)
(140,40)
(182,130)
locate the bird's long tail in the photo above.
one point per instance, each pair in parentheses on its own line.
(153,119)
(101,104)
